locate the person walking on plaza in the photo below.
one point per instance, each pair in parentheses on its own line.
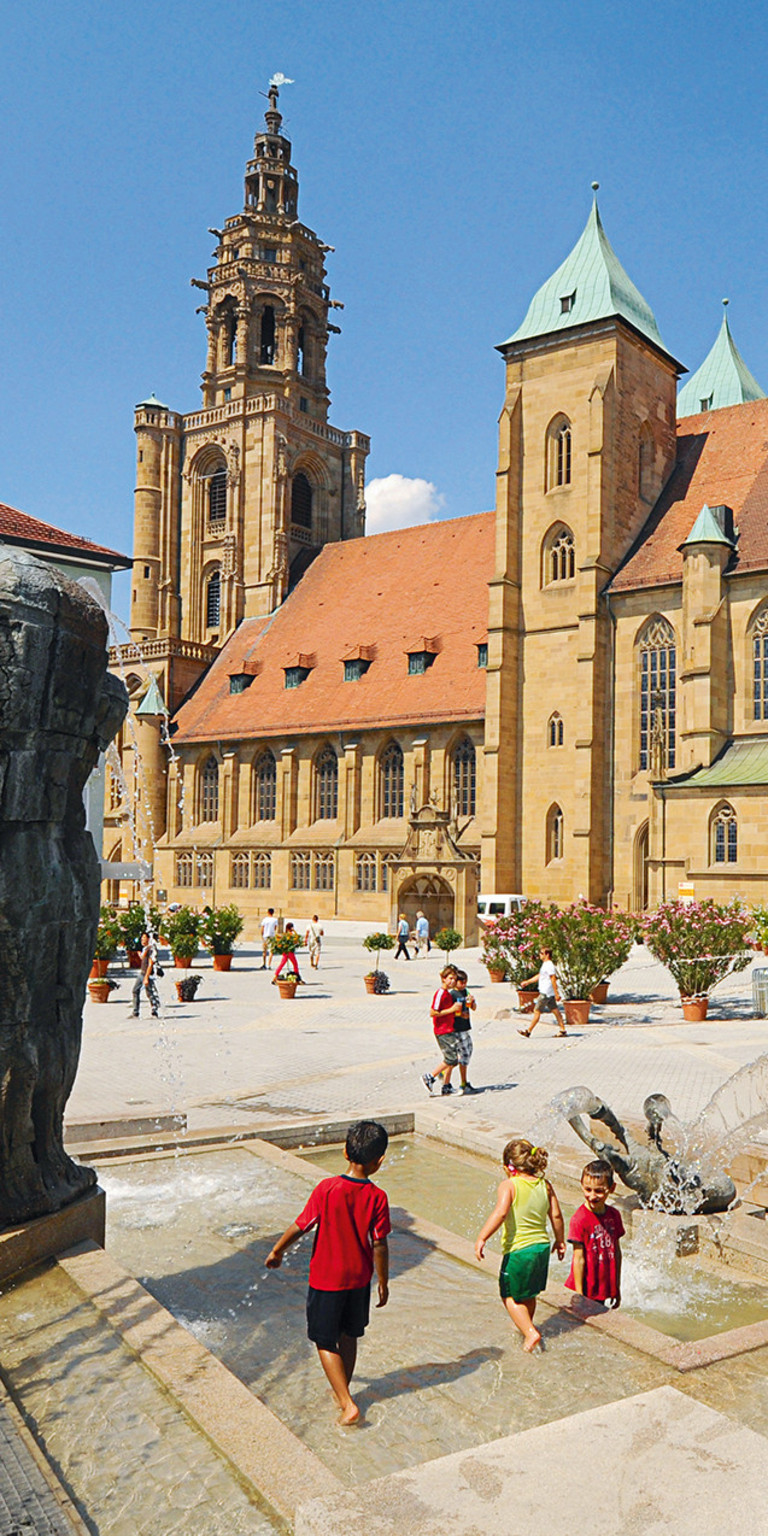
(462,1028)
(146,978)
(313,939)
(422,932)
(289,956)
(547,996)
(526,1201)
(403,935)
(351,1218)
(444,1010)
(268,931)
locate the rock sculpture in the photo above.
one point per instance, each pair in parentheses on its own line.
(59,707)
(661,1179)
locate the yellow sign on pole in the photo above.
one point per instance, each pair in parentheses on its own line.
(686,891)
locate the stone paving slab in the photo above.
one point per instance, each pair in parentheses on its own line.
(654,1463)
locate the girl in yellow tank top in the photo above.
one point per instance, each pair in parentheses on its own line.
(526,1201)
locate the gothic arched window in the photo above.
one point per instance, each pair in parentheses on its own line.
(558,453)
(464,766)
(365,872)
(555,730)
(759,634)
(327,785)
(301,502)
(265,787)
(209,790)
(559,562)
(213,600)
(217,497)
(657,656)
(240,871)
(724,835)
(391,781)
(555,833)
(268,348)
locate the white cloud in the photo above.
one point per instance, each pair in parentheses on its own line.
(395,501)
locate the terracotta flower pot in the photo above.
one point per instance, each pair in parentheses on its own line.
(286,989)
(99,990)
(526,997)
(222,962)
(183,961)
(370,984)
(599,994)
(576,1011)
(496,975)
(134,958)
(99,968)
(694,1008)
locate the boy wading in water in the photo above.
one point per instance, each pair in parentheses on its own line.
(595,1231)
(525,1200)
(351,1216)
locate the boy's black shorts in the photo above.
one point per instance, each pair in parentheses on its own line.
(331,1313)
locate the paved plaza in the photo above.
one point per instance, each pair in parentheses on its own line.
(241,1056)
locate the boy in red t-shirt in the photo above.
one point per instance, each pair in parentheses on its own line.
(351,1217)
(444,1010)
(595,1231)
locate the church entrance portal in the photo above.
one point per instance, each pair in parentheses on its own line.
(430,895)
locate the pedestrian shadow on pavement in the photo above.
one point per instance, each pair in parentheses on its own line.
(430,1373)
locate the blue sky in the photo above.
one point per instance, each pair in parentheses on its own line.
(446,151)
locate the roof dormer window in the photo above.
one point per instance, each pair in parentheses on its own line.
(355,669)
(239,681)
(295,676)
(482,653)
(418,661)
(567,302)
(706,405)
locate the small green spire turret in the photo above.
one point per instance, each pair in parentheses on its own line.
(723,378)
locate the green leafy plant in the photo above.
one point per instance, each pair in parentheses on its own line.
(760,925)
(374,943)
(187,988)
(512,943)
(587,943)
(182,931)
(220,928)
(286,944)
(136,920)
(700,942)
(448,939)
(107,935)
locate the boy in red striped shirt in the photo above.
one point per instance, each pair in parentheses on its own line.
(444,1010)
(351,1218)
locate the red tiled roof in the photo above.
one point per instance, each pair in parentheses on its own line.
(19,528)
(371,592)
(722,459)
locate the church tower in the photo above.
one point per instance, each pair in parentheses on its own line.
(234,500)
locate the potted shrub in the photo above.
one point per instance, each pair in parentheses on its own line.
(107,942)
(493,957)
(375,979)
(587,945)
(187,987)
(133,923)
(760,928)
(448,939)
(182,931)
(513,943)
(700,943)
(220,928)
(99,988)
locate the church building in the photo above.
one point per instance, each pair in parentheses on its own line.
(342,736)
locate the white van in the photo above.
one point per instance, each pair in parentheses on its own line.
(490,908)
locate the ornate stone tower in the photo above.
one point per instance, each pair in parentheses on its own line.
(233,501)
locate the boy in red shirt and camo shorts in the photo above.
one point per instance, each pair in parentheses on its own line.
(444,1010)
(351,1218)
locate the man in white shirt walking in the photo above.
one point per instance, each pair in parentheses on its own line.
(268,931)
(547,996)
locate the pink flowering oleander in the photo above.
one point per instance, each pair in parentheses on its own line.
(699,942)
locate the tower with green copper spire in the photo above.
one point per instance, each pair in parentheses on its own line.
(587,440)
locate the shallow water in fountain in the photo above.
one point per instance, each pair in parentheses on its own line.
(677,1296)
(132,1462)
(440,1369)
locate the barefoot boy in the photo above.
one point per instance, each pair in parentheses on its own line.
(595,1231)
(351,1216)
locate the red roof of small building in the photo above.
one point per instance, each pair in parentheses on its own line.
(20,528)
(722,460)
(366,596)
